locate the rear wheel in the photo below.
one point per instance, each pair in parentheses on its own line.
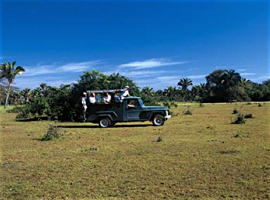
(158,120)
(105,122)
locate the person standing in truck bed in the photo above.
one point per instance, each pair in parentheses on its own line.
(84,98)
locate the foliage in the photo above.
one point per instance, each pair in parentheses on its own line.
(64,103)
(170,104)
(8,71)
(187,111)
(248,116)
(53,132)
(240,119)
(235,111)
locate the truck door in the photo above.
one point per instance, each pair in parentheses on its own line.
(133,109)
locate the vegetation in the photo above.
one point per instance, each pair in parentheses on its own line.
(199,156)
(64,102)
(9,72)
(240,119)
(53,132)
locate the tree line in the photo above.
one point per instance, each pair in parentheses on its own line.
(64,102)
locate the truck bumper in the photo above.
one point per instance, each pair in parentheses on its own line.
(167,117)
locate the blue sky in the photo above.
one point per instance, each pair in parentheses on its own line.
(153,42)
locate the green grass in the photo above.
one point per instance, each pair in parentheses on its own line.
(200,156)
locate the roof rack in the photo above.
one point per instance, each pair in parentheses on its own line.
(103,91)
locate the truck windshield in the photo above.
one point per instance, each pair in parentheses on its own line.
(141,102)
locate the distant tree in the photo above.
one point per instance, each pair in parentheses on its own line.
(184,83)
(230,78)
(9,72)
(170,92)
(147,94)
(26,93)
(214,79)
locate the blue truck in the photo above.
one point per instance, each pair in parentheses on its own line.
(131,109)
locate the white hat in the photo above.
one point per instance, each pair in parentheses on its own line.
(84,93)
(127,86)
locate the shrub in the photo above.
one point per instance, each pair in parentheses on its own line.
(170,104)
(240,119)
(201,105)
(248,116)
(187,112)
(259,105)
(16,109)
(235,111)
(52,133)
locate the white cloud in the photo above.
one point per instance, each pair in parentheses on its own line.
(241,70)
(39,70)
(56,68)
(142,74)
(167,78)
(151,63)
(248,74)
(197,76)
(79,67)
(264,77)
(33,82)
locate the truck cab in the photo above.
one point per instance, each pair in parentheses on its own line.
(131,109)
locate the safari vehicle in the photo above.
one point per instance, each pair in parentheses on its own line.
(131,109)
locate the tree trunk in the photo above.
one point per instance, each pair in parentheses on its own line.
(9,85)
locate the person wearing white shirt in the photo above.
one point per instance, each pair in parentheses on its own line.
(107,98)
(125,92)
(84,98)
(92,98)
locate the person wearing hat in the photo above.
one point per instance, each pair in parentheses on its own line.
(84,98)
(125,92)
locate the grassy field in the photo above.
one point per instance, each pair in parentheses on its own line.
(200,156)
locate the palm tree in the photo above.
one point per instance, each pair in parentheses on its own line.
(230,78)
(170,92)
(148,91)
(25,93)
(9,72)
(184,83)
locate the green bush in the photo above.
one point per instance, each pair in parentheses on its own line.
(235,111)
(248,116)
(170,104)
(187,112)
(240,119)
(201,105)
(53,132)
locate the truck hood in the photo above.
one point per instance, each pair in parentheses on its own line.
(155,108)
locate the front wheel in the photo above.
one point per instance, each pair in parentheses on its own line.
(105,122)
(158,120)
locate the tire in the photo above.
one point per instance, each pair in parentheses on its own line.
(158,120)
(105,122)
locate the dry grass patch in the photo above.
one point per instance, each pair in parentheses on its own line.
(198,157)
